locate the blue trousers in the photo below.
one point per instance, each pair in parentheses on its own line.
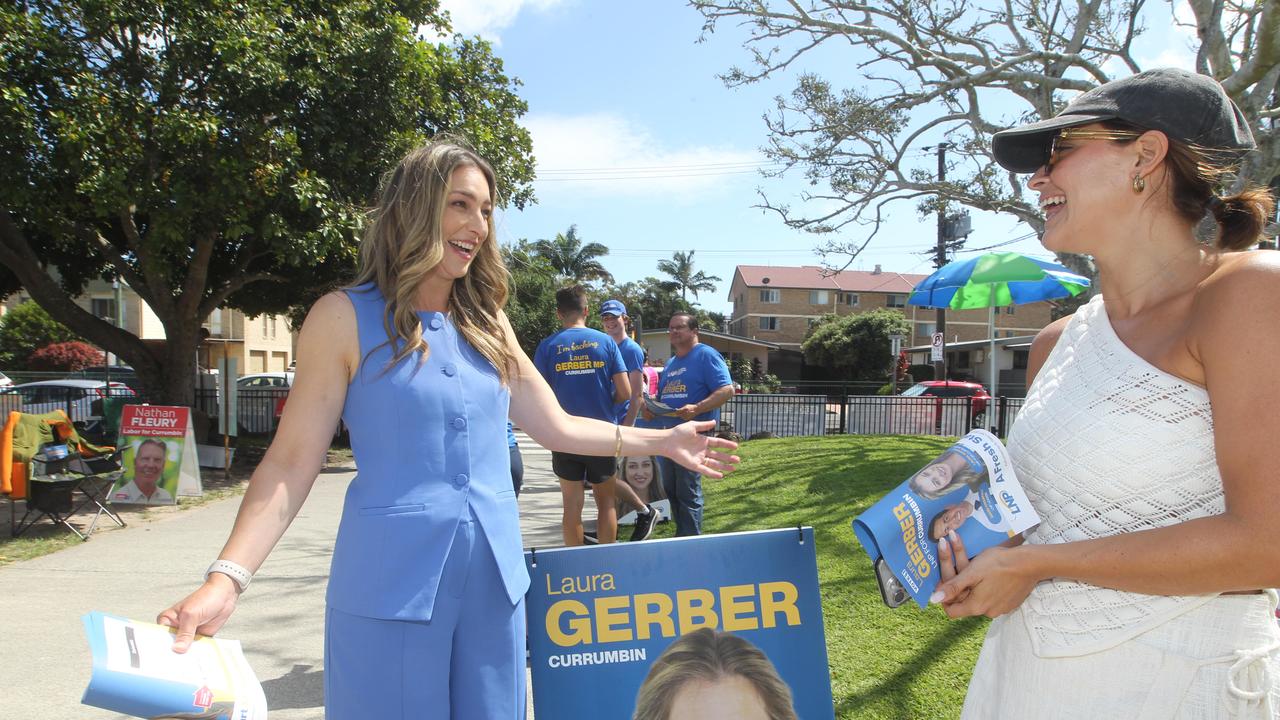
(684,489)
(467,662)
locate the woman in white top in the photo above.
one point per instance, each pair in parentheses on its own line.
(1147,440)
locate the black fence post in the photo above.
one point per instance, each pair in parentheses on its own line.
(1004,416)
(844,408)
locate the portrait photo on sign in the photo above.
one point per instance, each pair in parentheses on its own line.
(150,473)
(713,675)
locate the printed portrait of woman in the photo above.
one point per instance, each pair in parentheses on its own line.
(643,475)
(955,468)
(712,675)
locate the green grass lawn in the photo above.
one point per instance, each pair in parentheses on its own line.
(899,663)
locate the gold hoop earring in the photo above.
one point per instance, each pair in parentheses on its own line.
(1139,184)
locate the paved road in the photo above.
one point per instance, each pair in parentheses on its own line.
(139,570)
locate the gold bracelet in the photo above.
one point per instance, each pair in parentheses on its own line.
(617,447)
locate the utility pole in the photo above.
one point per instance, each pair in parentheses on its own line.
(940,367)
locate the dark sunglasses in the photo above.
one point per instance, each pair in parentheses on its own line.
(1055,146)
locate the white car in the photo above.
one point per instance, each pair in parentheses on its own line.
(75,397)
(5,381)
(257,397)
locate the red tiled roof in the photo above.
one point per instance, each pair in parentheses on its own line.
(812,277)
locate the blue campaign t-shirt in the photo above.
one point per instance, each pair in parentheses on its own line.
(632,359)
(579,364)
(690,379)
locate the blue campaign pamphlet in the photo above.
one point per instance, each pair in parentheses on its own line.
(969,489)
(136,672)
(611,626)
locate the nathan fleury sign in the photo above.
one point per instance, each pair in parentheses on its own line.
(159,456)
(619,629)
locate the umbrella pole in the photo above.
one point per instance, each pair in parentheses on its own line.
(991,332)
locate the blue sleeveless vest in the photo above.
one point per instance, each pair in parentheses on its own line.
(430,445)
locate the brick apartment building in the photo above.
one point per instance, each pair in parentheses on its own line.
(778,304)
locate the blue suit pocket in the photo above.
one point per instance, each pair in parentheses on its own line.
(393,510)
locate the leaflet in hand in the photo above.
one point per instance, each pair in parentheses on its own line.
(657,407)
(136,672)
(969,489)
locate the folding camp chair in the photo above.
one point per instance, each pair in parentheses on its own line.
(49,482)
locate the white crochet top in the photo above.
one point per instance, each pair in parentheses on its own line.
(1108,443)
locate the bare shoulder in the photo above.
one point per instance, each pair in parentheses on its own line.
(1252,277)
(1044,343)
(1237,300)
(330,332)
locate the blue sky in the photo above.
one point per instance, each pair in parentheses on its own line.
(641,146)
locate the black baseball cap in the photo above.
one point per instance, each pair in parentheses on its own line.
(1186,106)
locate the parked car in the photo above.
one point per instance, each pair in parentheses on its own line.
(953,389)
(257,395)
(81,399)
(5,381)
(118,373)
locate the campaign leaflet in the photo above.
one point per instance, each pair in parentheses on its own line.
(136,672)
(616,630)
(970,489)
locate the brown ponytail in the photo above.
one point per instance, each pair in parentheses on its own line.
(1241,217)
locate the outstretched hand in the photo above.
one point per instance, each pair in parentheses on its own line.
(699,452)
(203,611)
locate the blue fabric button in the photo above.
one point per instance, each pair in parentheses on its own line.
(449,369)
(459,423)
(435,323)
(459,480)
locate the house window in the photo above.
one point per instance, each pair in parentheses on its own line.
(962,359)
(103,308)
(1008,309)
(850,299)
(1020,359)
(770,295)
(769,323)
(927,329)
(895,301)
(819,297)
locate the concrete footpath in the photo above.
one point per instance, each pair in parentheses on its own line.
(140,570)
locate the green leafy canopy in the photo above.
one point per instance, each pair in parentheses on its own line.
(221,154)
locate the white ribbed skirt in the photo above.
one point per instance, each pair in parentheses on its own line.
(1220,660)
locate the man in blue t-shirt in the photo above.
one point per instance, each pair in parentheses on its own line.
(613,314)
(585,371)
(694,384)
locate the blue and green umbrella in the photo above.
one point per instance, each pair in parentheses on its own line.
(996,280)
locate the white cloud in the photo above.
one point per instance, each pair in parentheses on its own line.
(602,154)
(488,18)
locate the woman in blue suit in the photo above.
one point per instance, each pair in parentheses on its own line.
(425,601)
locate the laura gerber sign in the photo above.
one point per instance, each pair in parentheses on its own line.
(159,456)
(603,619)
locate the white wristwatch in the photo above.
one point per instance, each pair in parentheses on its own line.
(238,574)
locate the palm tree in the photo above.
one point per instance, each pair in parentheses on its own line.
(680,268)
(572,259)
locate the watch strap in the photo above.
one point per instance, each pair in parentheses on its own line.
(237,572)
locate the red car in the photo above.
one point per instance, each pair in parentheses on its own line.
(952,389)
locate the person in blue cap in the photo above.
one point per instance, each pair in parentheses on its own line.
(425,605)
(613,314)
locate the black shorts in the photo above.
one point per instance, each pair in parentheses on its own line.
(576,468)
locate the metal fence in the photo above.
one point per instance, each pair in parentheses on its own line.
(257,410)
(795,414)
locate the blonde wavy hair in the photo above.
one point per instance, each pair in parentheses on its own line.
(403,242)
(707,655)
